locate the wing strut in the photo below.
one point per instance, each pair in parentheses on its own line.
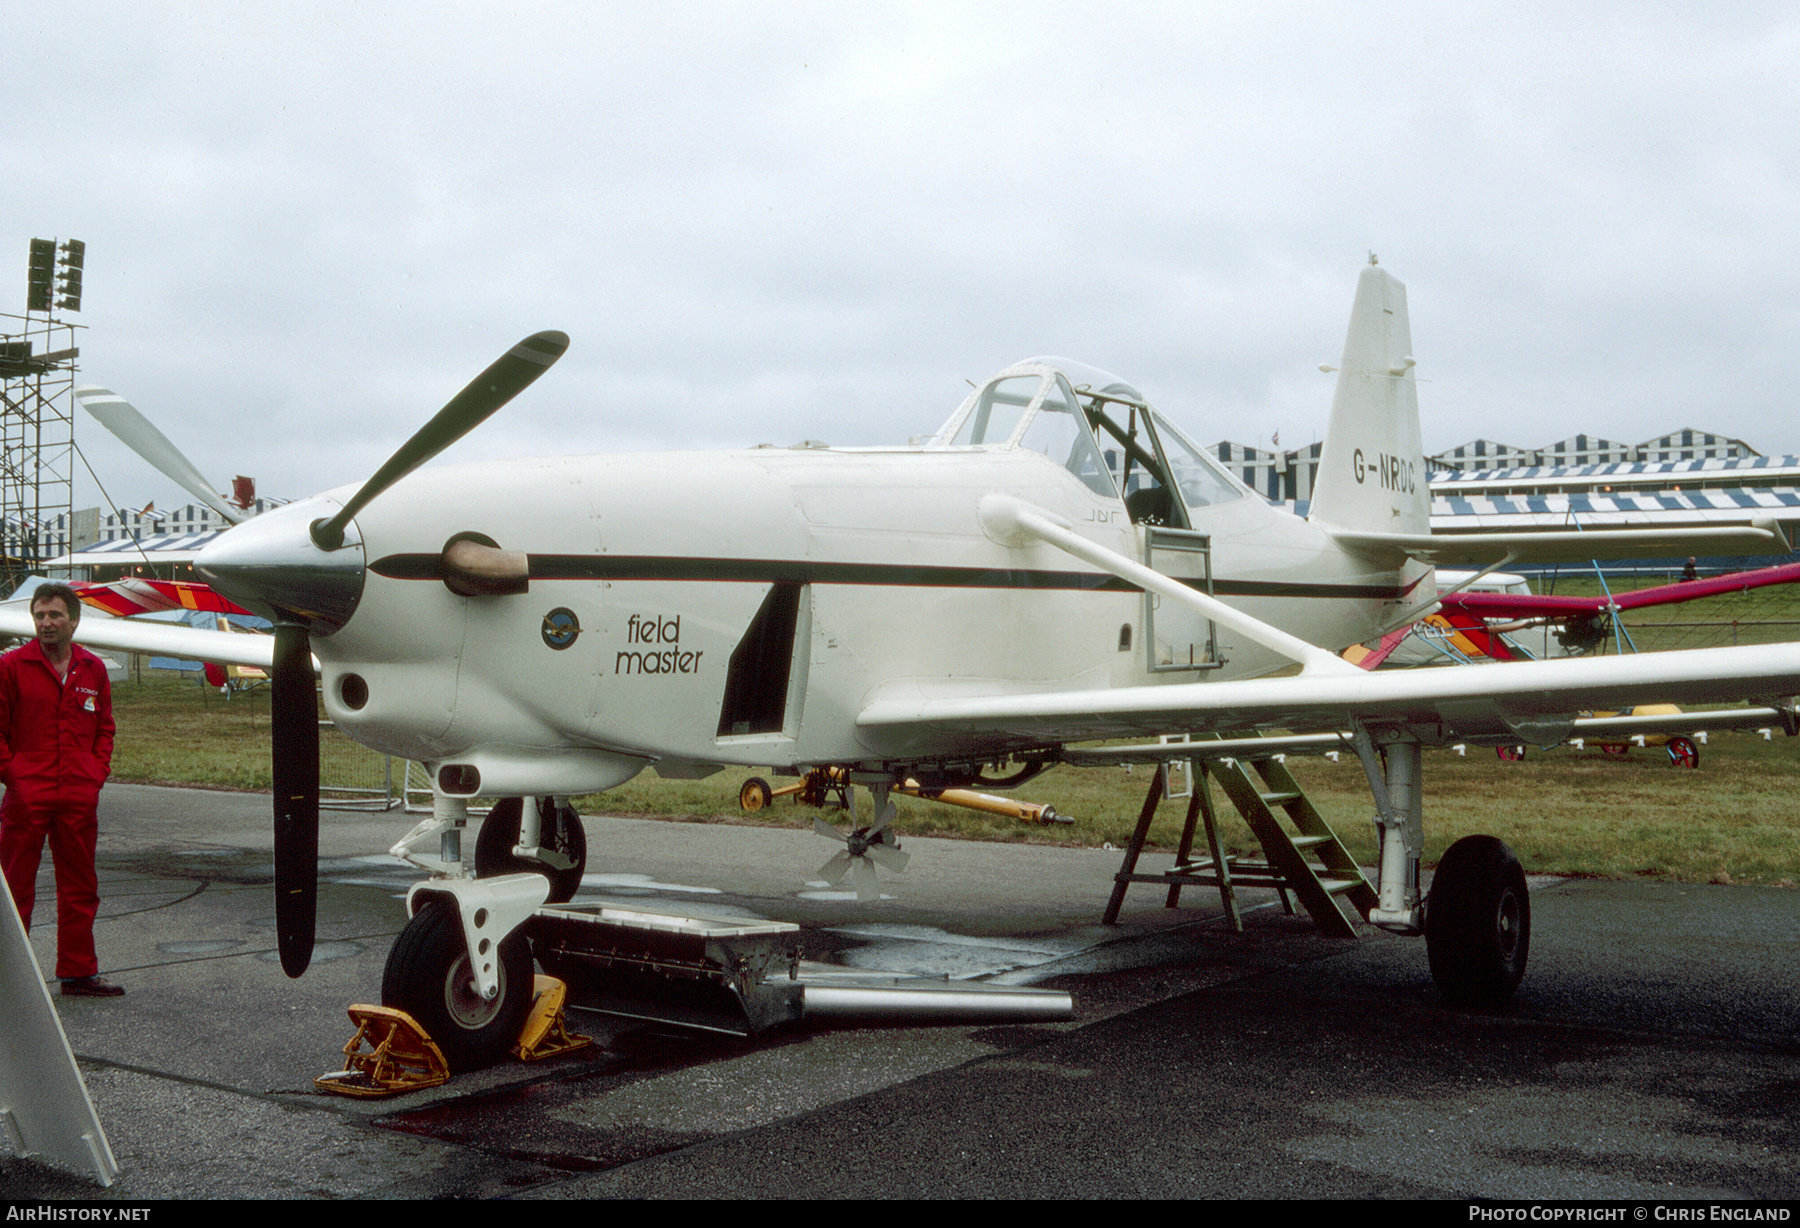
(1013,522)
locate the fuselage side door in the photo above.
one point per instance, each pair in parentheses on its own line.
(1177,637)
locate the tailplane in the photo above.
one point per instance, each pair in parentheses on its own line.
(1372,468)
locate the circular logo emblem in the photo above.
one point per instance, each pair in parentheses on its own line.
(560,628)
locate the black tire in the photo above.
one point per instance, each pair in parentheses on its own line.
(755,795)
(559,829)
(1683,753)
(1478,923)
(428,977)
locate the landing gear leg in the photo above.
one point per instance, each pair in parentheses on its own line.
(1477,920)
(449,815)
(1394,773)
(462,965)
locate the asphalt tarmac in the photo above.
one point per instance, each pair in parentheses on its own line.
(1653,1053)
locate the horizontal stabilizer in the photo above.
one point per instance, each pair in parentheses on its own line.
(1575,546)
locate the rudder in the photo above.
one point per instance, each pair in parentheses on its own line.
(1372,466)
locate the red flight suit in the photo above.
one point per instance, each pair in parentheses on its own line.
(56,744)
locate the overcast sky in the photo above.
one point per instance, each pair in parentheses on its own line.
(308,226)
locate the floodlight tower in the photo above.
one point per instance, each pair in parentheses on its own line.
(37,413)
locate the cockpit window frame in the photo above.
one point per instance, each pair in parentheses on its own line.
(1151,460)
(1084,459)
(1162,500)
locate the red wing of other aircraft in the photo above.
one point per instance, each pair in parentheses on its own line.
(124,598)
(137,595)
(1469,620)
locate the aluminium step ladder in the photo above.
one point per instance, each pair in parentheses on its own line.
(1308,861)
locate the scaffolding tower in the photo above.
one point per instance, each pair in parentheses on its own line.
(37,443)
(37,415)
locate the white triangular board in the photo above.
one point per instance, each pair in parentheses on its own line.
(45,1112)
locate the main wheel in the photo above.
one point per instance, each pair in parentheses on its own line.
(755,794)
(559,829)
(428,976)
(1615,750)
(1478,923)
(1683,753)
(1510,754)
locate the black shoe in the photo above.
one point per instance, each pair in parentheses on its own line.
(91,987)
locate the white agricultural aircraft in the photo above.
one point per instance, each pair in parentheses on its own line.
(1057,564)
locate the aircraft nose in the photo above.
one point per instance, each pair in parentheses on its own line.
(271,565)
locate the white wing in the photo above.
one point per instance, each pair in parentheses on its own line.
(1516,698)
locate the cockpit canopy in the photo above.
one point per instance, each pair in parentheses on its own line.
(1101,430)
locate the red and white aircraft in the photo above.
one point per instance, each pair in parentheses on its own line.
(1058,563)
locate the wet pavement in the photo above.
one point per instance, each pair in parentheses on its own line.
(1654,1051)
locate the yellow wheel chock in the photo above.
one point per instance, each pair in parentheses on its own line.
(400,1057)
(546,1031)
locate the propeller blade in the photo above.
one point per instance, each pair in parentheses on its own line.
(510,375)
(867,888)
(888,857)
(294,763)
(833,871)
(137,432)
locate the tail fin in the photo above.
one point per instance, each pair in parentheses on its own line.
(1372,468)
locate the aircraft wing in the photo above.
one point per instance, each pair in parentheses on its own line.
(123,598)
(1522,701)
(161,639)
(1482,549)
(1525,701)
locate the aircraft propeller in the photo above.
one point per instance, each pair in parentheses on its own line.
(293,706)
(305,590)
(864,849)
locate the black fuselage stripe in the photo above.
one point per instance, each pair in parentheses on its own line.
(903,575)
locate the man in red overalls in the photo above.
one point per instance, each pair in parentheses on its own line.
(56,744)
